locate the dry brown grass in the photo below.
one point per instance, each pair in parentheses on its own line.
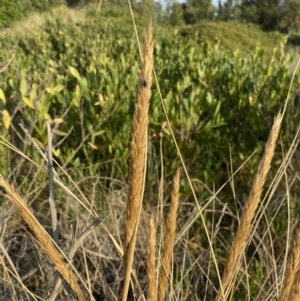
(295,289)
(138,156)
(240,240)
(42,236)
(102,261)
(151,274)
(168,240)
(291,282)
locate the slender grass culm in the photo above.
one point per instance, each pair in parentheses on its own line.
(294,295)
(292,269)
(151,274)
(239,242)
(138,159)
(42,236)
(168,240)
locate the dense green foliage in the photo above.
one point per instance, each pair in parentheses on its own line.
(83,74)
(216,100)
(9,11)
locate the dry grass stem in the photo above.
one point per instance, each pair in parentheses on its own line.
(295,289)
(42,237)
(138,159)
(151,295)
(292,269)
(51,185)
(168,240)
(240,240)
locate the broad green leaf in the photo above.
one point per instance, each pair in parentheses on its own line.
(123,60)
(43,105)
(101,132)
(33,92)
(28,102)
(84,85)
(209,98)
(217,109)
(78,92)
(6,119)
(60,133)
(2,96)
(23,84)
(75,101)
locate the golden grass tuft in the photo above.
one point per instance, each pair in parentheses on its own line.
(240,240)
(292,269)
(295,289)
(42,237)
(168,240)
(151,275)
(138,159)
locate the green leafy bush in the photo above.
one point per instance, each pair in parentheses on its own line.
(10,11)
(216,100)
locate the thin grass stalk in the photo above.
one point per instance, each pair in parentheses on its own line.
(292,269)
(168,240)
(239,243)
(42,237)
(151,294)
(53,210)
(138,157)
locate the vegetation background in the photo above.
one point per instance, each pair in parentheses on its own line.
(223,74)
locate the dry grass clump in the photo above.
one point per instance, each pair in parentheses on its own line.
(168,241)
(138,159)
(98,262)
(239,243)
(43,237)
(151,270)
(290,286)
(147,265)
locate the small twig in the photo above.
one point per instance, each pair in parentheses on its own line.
(99,5)
(51,185)
(64,138)
(38,148)
(77,243)
(7,64)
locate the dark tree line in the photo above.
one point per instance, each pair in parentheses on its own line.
(282,15)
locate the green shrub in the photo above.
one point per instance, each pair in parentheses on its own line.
(10,11)
(215,99)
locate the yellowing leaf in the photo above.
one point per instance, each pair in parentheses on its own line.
(2,96)
(55,89)
(58,88)
(6,119)
(251,100)
(74,72)
(92,145)
(56,152)
(40,143)
(75,102)
(28,102)
(58,120)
